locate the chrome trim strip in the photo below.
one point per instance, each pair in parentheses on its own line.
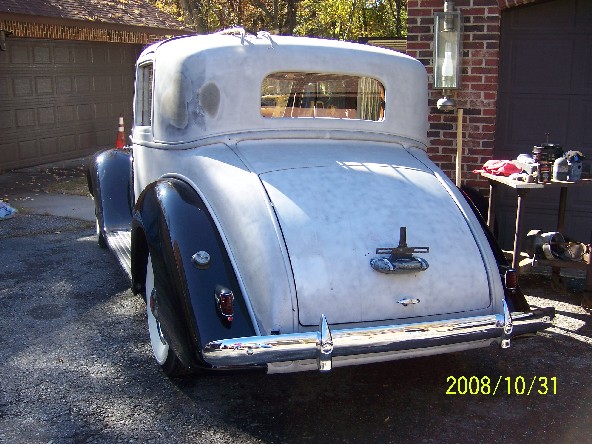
(324,344)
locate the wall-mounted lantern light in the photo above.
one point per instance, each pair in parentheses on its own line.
(447,41)
(4,34)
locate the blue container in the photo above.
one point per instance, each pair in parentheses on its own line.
(574,172)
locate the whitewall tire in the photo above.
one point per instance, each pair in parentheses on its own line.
(164,355)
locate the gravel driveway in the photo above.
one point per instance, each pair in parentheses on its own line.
(77,368)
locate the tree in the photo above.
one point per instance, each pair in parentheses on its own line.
(352,19)
(338,19)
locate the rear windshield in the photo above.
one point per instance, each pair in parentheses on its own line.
(338,96)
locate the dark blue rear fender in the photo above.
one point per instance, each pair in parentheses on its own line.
(172,223)
(515,299)
(109,180)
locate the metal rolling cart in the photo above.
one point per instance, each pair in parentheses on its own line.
(518,261)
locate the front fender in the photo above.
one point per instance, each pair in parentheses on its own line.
(172,222)
(109,178)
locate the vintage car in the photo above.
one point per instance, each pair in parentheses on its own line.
(277,210)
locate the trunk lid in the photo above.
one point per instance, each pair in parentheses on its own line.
(333,218)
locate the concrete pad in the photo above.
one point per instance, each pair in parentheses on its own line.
(64,205)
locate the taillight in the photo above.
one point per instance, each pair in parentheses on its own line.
(511,279)
(225,303)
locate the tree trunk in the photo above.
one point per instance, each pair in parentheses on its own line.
(291,11)
(194,12)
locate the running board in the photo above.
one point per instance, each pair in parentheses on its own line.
(120,243)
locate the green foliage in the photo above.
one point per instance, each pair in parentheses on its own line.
(171,7)
(352,19)
(338,19)
(275,16)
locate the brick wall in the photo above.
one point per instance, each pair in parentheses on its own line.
(21,28)
(477,94)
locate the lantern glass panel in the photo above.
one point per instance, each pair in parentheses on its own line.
(447,50)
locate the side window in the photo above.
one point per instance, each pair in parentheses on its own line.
(144,95)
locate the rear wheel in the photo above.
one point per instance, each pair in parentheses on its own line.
(164,354)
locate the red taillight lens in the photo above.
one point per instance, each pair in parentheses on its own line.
(511,279)
(225,302)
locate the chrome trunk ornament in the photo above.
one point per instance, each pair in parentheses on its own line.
(401,259)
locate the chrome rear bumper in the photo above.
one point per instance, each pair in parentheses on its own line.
(325,344)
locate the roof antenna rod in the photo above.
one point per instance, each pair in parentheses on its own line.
(265,35)
(238,30)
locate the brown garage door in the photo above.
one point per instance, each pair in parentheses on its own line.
(60,100)
(546,87)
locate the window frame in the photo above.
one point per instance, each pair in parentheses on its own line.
(303,97)
(144,94)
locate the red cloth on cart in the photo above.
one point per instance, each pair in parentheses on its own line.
(499,168)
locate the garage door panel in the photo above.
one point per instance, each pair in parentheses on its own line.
(531,118)
(28,149)
(87,140)
(42,54)
(101,83)
(581,200)
(116,83)
(22,87)
(20,53)
(545,57)
(48,147)
(586,137)
(61,99)
(46,116)
(104,138)
(99,56)
(583,70)
(65,114)
(67,143)
(44,85)
(546,15)
(4,88)
(6,120)
(81,55)
(580,127)
(526,120)
(25,118)
(83,84)
(62,55)
(64,85)
(101,110)
(8,153)
(116,56)
(84,112)
(583,15)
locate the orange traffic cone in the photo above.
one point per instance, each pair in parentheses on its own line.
(120,141)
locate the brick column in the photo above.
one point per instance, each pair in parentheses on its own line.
(477,94)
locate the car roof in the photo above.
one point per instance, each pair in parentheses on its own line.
(226,70)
